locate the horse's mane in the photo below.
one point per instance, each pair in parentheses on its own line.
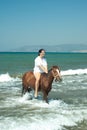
(47,74)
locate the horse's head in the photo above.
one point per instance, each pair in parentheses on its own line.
(56,73)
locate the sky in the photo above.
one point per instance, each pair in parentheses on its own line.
(42,22)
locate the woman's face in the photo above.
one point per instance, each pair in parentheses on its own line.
(42,54)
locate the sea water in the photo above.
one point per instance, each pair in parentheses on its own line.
(67,108)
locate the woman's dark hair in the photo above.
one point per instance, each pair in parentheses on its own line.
(40,51)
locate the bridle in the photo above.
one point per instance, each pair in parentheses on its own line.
(56,75)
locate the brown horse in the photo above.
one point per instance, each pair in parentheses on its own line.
(45,83)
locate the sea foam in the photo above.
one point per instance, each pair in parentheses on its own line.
(74,72)
(6,78)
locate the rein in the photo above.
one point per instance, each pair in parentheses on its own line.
(53,73)
(55,76)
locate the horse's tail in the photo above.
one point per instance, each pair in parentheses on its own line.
(23,85)
(25,89)
(22,89)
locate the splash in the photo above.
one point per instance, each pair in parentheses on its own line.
(6,78)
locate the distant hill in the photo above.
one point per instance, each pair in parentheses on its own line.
(53,48)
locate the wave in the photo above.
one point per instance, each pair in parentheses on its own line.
(74,72)
(6,78)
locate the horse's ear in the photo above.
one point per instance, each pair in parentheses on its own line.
(54,67)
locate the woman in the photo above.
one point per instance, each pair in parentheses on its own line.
(40,67)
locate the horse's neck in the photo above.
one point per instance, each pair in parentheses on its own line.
(50,76)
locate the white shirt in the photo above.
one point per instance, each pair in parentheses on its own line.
(39,61)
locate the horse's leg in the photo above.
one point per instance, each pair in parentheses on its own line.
(45,96)
(29,89)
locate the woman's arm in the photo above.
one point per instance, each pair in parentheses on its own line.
(44,68)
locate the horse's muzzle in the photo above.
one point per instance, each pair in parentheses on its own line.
(58,79)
